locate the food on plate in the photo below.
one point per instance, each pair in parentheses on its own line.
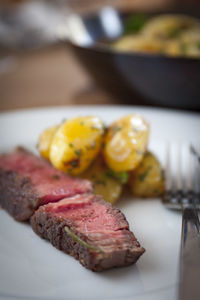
(105,183)
(171,34)
(27,181)
(78,222)
(89,229)
(76,143)
(45,140)
(105,156)
(126,142)
(147,180)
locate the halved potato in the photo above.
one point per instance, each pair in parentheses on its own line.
(104,184)
(45,139)
(76,143)
(147,180)
(126,142)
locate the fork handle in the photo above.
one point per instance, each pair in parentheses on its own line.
(189,288)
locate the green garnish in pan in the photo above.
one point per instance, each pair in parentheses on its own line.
(134,23)
(80,241)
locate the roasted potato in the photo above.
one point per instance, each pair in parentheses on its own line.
(147,180)
(104,184)
(126,142)
(168,26)
(76,143)
(190,41)
(173,47)
(139,43)
(44,141)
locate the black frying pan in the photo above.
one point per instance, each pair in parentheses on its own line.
(136,78)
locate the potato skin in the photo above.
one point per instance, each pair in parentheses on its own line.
(104,185)
(76,143)
(44,141)
(147,180)
(126,142)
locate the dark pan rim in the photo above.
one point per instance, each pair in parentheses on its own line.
(106,50)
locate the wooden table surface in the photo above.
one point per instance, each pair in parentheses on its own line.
(46,77)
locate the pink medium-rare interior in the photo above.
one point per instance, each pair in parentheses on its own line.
(88,215)
(51,184)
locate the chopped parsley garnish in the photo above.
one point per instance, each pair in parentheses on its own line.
(116,128)
(143,175)
(100,181)
(122,177)
(134,23)
(71,145)
(80,241)
(78,152)
(73,163)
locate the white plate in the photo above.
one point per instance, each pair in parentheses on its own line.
(30,268)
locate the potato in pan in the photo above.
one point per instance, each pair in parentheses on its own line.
(170,34)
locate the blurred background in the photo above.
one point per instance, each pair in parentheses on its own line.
(39,66)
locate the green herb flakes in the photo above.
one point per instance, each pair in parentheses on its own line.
(143,175)
(73,163)
(122,177)
(134,23)
(78,152)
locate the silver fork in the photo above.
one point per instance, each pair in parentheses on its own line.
(183,193)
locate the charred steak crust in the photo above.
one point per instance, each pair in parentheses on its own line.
(27,181)
(52,227)
(65,211)
(17,195)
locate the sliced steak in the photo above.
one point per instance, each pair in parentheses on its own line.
(27,181)
(89,229)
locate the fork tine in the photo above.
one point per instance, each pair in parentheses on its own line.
(168,176)
(183,180)
(190,168)
(196,170)
(179,176)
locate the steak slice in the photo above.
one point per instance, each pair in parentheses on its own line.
(89,229)
(28,181)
